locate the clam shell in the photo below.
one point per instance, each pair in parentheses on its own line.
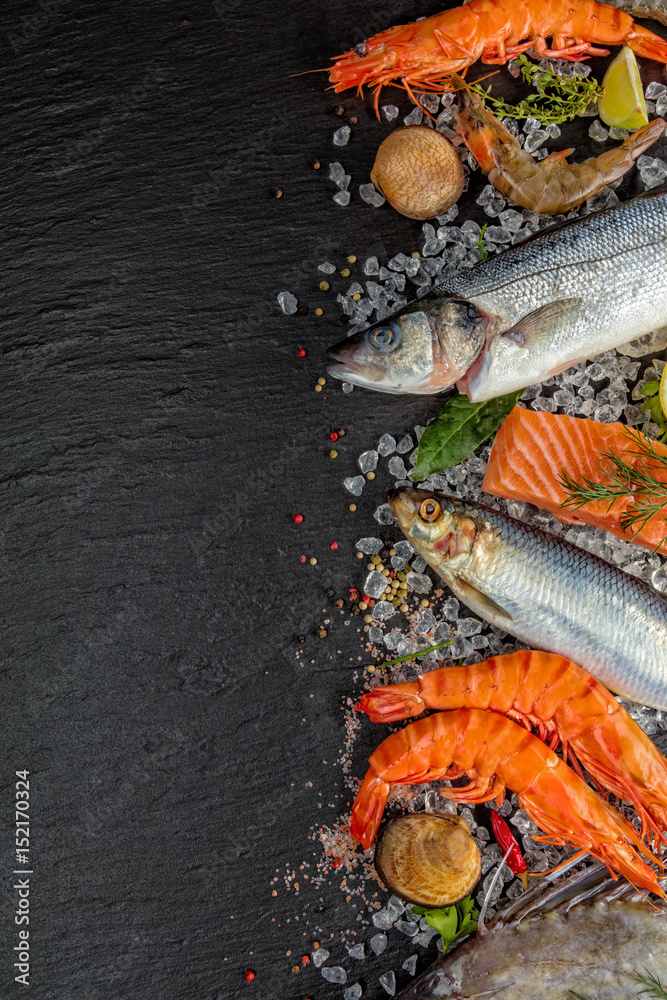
(418,171)
(428,858)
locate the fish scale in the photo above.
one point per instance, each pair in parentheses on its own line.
(558,597)
(601,279)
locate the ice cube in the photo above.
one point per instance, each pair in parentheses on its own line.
(337,173)
(326,268)
(414,118)
(430,101)
(407,928)
(382,610)
(368,461)
(404,549)
(357,951)
(655,89)
(419,582)
(598,132)
(410,965)
(341,136)
(370,545)
(371,266)
(468,626)
(288,303)
(335,974)
(397,467)
(375,584)
(355,485)
(342,198)
(375,635)
(370,195)
(426,622)
(390,112)
(530,125)
(353,992)
(383,514)
(388,983)
(450,609)
(319,956)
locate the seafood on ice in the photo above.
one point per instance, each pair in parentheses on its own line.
(565,294)
(548,186)
(496,753)
(424,54)
(587,935)
(564,702)
(533,452)
(544,590)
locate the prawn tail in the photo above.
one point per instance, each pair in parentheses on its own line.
(368,808)
(647,44)
(392,703)
(644,137)
(623,859)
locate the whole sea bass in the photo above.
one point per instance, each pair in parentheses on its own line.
(591,936)
(560,296)
(544,590)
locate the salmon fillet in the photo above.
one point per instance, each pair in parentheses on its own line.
(532,450)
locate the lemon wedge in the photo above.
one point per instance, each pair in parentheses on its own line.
(662,392)
(622,103)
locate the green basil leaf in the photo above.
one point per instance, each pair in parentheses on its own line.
(459,428)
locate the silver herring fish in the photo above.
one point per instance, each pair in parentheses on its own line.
(544,590)
(563,295)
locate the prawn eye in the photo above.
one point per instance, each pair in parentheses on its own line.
(430,510)
(383,338)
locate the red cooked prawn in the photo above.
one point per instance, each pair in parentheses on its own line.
(496,753)
(564,702)
(425,53)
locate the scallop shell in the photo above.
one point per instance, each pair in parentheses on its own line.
(418,171)
(428,858)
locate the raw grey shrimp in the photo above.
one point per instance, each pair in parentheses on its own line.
(552,185)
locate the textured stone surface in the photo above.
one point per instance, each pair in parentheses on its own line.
(158,431)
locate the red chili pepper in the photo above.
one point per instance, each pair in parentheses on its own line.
(334,436)
(336,863)
(302,352)
(334,545)
(248,975)
(354,594)
(297,518)
(303,559)
(506,839)
(305,959)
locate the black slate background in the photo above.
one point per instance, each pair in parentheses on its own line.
(158,431)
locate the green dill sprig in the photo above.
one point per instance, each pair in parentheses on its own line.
(653,988)
(648,492)
(558,98)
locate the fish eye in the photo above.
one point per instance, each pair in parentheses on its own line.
(430,510)
(383,338)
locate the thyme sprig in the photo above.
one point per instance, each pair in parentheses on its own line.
(558,98)
(648,492)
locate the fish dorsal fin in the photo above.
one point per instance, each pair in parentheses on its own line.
(483,605)
(541,322)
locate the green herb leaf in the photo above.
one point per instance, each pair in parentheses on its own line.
(483,254)
(655,409)
(418,652)
(452,922)
(652,985)
(459,428)
(559,98)
(650,388)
